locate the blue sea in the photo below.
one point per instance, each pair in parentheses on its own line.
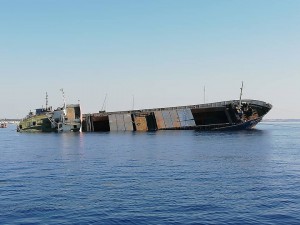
(165,177)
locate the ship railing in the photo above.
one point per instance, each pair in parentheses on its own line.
(198,106)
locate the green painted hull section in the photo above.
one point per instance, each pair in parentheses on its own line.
(38,123)
(63,119)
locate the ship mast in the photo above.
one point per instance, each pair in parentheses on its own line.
(46,100)
(104,103)
(64,99)
(240,103)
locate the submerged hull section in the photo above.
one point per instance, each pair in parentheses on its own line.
(35,123)
(47,120)
(227,115)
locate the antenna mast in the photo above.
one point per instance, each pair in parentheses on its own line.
(240,104)
(63,94)
(104,103)
(46,100)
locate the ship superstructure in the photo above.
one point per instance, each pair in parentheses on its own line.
(65,118)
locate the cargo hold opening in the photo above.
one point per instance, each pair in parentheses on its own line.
(210,116)
(101,124)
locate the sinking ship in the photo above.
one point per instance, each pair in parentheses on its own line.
(227,115)
(3,124)
(61,119)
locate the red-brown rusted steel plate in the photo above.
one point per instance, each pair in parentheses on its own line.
(168,119)
(175,119)
(140,123)
(159,120)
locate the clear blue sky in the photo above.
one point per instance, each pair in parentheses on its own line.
(161,51)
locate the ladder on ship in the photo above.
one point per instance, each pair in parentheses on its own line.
(53,123)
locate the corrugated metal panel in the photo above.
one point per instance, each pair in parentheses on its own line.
(70,113)
(182,117)
(186,117)
(140,123)
(190,117)
(120,122)
(112,122)
(128,122)
(175,119)
(167,118)
(159,120)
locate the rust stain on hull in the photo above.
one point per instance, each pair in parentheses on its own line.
(219,115)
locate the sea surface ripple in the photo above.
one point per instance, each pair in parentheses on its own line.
(166,177)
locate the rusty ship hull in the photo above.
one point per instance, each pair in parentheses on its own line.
(226,115)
